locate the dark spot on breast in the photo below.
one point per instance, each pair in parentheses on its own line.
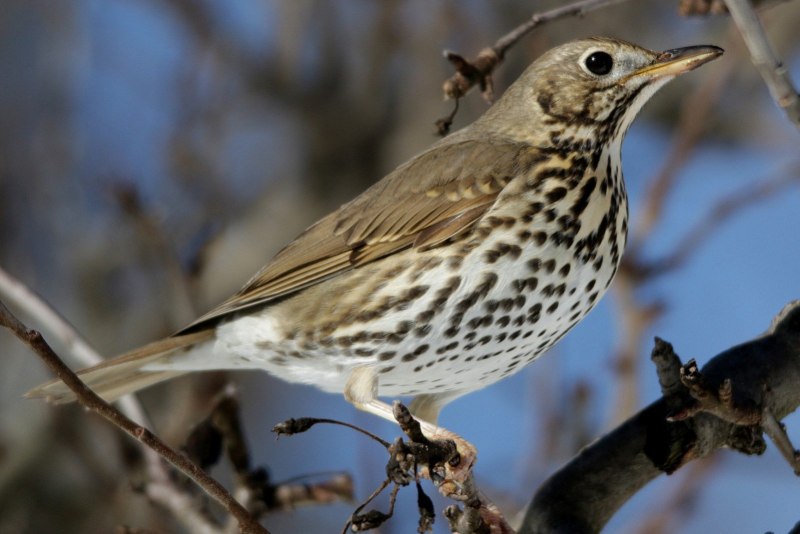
(404,327)
(528,284)
(424,330)
(556,194)
(424,317)
(583,199)
(450,346)
(394,339)
(491,256)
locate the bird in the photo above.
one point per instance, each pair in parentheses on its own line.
(457,269)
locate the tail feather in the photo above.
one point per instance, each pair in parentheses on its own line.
(119,376)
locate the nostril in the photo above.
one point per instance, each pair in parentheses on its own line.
(665,56)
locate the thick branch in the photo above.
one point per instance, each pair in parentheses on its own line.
(758,379)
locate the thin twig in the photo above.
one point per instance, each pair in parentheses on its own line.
(479,70)
(771,68)
(56,327)
(160,487)
(90,400)
(577,9)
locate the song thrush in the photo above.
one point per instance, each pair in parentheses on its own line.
(457,269)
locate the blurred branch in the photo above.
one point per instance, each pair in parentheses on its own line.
(718,215)
(635,317)
(771,68)
(78,349)
(160,487)
(20,297)
(222,431)
(90,400)
(677,505)
(739,394)
(692,123)
(179,296)
(689,8)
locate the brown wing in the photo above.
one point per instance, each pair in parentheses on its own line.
(434,196)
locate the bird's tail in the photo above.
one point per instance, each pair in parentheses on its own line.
(124,374)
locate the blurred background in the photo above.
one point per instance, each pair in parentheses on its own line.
(155,153)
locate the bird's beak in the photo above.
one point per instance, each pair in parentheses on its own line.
(677,61)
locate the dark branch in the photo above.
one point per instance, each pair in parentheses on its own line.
(737,395)
(90,400)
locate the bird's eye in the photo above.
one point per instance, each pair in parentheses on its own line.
(599,63)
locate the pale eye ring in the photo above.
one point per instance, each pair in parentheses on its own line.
(599,63)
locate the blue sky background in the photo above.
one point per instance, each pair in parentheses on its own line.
(96,93)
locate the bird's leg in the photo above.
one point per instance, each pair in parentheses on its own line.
(427,406)
(361,391)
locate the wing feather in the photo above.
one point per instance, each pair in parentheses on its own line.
(438,194)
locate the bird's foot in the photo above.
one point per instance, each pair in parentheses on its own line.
(435,453)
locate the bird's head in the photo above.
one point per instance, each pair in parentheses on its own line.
(591,84)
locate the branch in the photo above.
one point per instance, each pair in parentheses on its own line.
(182,306)
(725,208)
(693,121)
(479,70)
(737,395)
(21,297)
(772,70)
(90,400)
(160,487)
